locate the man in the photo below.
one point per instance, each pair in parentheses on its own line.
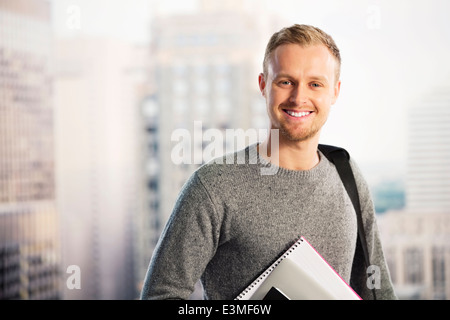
(231,222)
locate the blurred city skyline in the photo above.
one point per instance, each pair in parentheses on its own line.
(394,53)
(92,91)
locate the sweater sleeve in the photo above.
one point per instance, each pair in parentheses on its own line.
(380,277)
(185,247)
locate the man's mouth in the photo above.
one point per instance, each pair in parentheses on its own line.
(300,114)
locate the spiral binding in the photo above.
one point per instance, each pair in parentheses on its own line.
(270,269)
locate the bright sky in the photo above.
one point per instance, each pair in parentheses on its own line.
(393,53)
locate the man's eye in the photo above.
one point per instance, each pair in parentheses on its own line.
(286,82)
(315,85)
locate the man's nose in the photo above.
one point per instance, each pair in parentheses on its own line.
(299,95)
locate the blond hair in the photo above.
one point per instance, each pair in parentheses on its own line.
(304,35)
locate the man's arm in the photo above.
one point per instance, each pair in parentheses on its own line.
(380,272)
(185,247)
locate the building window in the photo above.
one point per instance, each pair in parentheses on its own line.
(439,273)
(414,266)
(391,262)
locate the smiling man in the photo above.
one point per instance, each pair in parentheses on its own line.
(231,222)
(300,83)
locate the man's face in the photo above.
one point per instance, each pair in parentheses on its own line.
(299,89)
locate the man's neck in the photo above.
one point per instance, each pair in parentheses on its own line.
(291,155)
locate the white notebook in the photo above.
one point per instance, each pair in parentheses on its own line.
(300,274)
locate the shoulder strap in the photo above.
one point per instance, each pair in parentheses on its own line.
(340,158)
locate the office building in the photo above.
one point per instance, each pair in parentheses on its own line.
(29,221)
(97,95)
(428,173)
(417,239)
(205,73)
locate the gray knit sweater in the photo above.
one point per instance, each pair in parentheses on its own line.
(231,222)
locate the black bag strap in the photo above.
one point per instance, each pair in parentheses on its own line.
(340,157)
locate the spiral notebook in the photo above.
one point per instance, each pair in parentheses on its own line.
(300,274)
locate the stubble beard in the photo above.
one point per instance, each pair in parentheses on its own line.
(298,136)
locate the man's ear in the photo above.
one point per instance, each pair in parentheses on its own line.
(337,90)
(262,84)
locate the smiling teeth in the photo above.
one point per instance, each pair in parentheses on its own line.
(297,114)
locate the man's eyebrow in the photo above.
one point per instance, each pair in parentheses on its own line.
(283,75)
(309,77)
(318,78)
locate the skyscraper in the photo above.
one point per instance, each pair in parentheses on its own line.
(428,186)
(97,89)
(29,230)
(417,239)
(205,67)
